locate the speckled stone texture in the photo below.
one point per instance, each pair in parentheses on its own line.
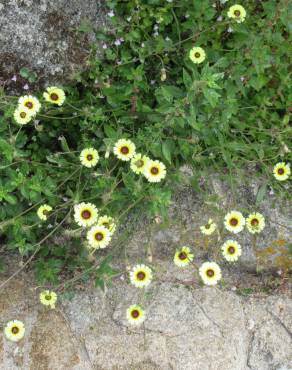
(41,35)
(187,328)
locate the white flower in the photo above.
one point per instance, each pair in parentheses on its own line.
(104,46)
(117,42)
(111,14)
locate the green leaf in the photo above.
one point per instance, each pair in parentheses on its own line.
(167,147)
(261,194)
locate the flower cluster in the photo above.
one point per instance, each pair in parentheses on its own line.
(153,170)
(101,227)
(29,106)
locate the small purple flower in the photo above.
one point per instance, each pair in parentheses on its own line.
(117,42)
(104,46)
(25,87)
(14,78)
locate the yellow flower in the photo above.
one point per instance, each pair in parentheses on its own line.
(210,273)
(209,228)
(183,257)
(141,276)
(255,223)
(154,171)
(282,171)
(43,211)
(234,222)
(14,330)
(85,214)
(54,95)
(31,103)
(231,250)
(98,237)
(124,149)
(107,222)
(22,115)
(138,163)
(89,157)
(135,315)
(48,298)
(237,12)
(197,55)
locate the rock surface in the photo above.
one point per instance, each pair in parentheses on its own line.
(41,35)
(187,328)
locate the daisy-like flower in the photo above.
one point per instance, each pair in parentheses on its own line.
(31,103)
(98,237)
(255,223)
(85,214)
(209,228)
(54,95)
(234,222)
(231,250)
(141,276)
(210,273)
(14,330)
(135,315)
(282,171)
(22,115)
(138,163)
(183,257)
(107,222)
(43,212)
(89,157)
(124,149)
(48,298)
(154,171)
(197,55)
(237,12)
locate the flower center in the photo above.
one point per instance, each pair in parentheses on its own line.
(280,171)
(124,149)
(86,214)
(182,256)
(154,170)
(106,224)
(231,250)
(89,157)
(197,55)
(210,273)
(237,13)
(14,330)
(233,221)
(141,275)
(139,163)
(98,236)
(48,297)
(254,222)
(135,314)
(22,114)
(207,226)
(29,104)
(54,96)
